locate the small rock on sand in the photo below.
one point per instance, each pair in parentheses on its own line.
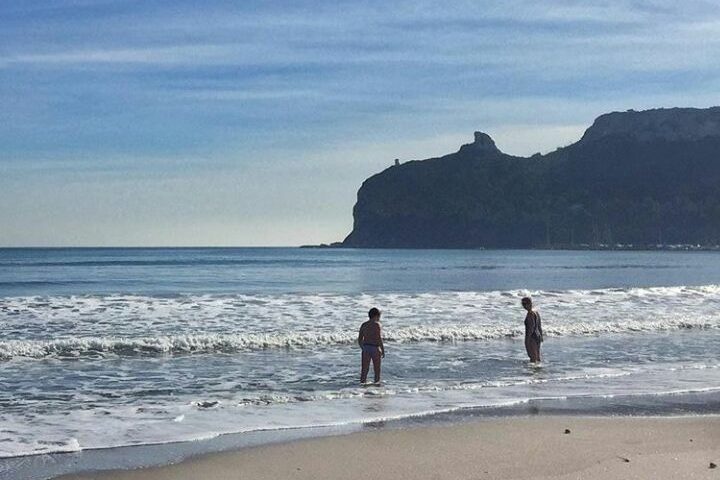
(567,431)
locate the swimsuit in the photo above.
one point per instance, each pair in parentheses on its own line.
(533,331)
(370,348)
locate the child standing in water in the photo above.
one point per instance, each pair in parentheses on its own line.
(533,331)
(371,343)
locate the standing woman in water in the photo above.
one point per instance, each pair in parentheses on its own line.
(533,331)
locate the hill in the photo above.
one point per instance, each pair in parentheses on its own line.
(638,178)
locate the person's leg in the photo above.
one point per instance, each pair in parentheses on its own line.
(529,349)
(376,359)
(533,351)
(377,362)
(365,366)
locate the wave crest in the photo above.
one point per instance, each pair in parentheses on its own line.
(219,343)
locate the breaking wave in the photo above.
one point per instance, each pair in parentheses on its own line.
(211,343)
(126,325)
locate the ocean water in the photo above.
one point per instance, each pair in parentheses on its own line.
(115,347)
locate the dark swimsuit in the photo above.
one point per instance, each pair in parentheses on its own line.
(533,331)
(370,348)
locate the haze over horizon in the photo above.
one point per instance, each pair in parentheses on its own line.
(156,123)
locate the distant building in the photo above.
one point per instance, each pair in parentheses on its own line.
(397,162)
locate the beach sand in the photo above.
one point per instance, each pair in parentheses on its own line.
(496,448)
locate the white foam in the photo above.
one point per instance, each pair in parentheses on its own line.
(209,343)
(39,327)
(121,428)
(87,327)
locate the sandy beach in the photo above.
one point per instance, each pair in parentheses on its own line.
(500,448)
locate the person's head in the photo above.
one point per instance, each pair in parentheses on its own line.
(374,314)
(526,303)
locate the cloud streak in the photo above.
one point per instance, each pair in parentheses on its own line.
(330,91)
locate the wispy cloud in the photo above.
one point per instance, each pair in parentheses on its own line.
(246,92)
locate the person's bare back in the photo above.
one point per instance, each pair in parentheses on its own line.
(371,333)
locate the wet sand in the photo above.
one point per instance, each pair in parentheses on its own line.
(497,448)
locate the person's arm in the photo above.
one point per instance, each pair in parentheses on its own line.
(538,322)
(382,345)
(539,329)
(528,325)
(361,335)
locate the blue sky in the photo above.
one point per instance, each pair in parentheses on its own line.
(254,123)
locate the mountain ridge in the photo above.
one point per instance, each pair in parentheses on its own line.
(636,177)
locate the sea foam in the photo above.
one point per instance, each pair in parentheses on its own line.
(76,326)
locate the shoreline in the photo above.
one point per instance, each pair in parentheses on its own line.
(498,448)
(687,406)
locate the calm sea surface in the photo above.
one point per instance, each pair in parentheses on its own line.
(111,347)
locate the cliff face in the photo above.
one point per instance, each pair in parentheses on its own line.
(638,178)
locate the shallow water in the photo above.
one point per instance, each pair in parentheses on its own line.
(109,347)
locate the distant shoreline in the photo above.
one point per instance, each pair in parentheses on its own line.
(591,248)
(340,245)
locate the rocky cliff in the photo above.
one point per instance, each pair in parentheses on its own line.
(640,178)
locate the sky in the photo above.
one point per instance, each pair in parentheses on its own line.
(178,123)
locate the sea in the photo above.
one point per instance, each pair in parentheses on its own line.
(122,347)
